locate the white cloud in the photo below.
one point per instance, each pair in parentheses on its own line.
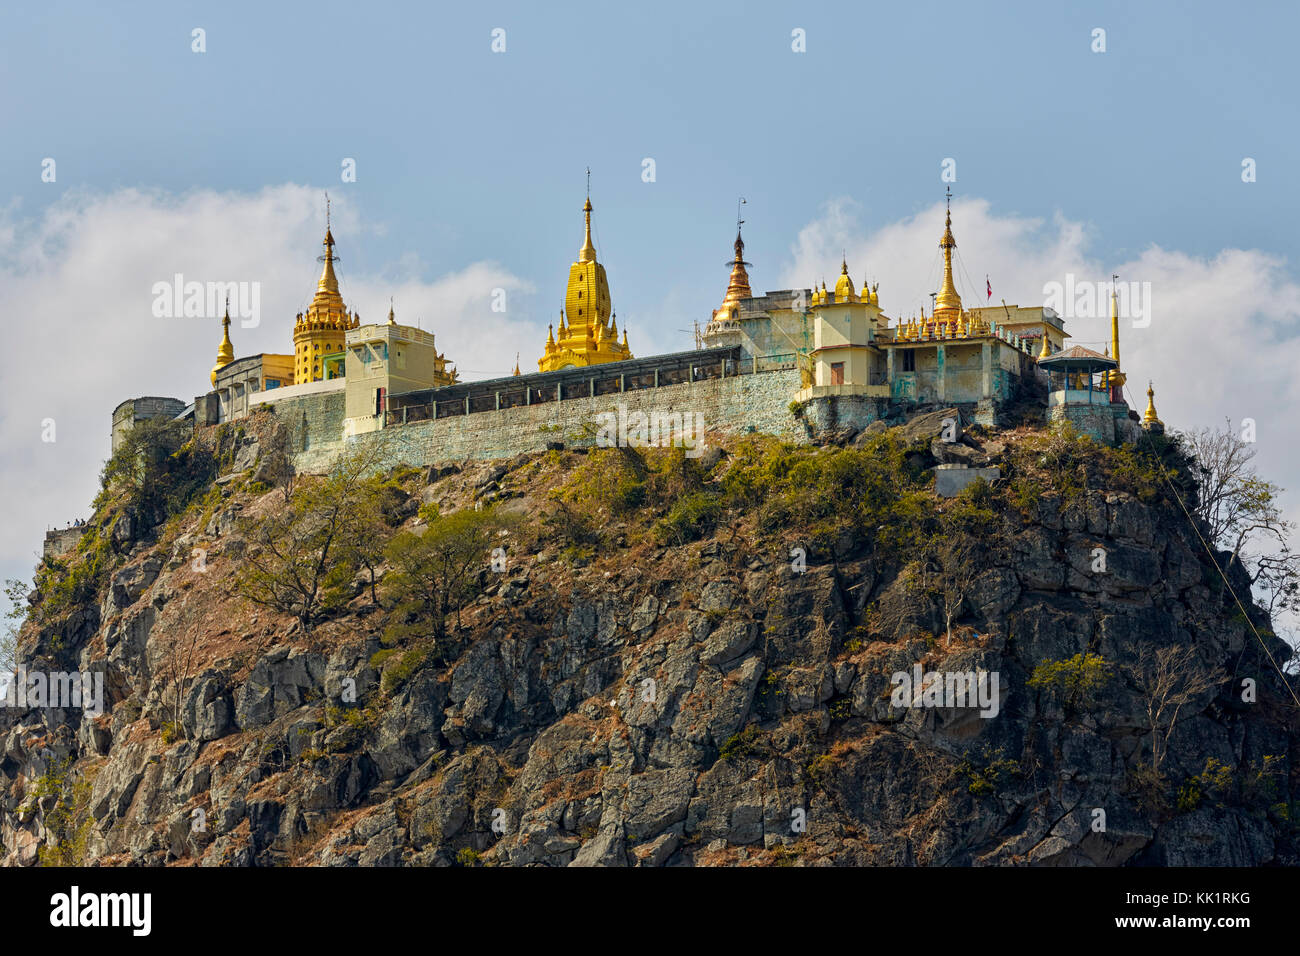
(76,293)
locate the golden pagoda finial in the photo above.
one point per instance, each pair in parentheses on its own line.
(947,301)
(588,252)
(329,283)
(1149,417)
(1114,318)
(392,319)
(738,285)
(517,372)
(844,291)
(550,337)
(226,350)
(1046,350)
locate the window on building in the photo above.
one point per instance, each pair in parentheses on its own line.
(909,360)
(837,373)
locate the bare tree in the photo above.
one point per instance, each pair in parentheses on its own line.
(1236,504)
(177,671)
(1170,678)
(277,455)
(958,569)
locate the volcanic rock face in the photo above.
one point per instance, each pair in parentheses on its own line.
(699,704)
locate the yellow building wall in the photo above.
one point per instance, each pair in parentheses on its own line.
(310,346)
(277,371)
(396,358)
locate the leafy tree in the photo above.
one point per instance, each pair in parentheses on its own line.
(297,561)
(437,570)
(1077,679)
(372,515)
(158,468)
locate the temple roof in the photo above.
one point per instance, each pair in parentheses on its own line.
(1078,358)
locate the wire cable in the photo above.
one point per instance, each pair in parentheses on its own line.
(1215,561)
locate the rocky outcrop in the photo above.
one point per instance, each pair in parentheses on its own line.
(701,704)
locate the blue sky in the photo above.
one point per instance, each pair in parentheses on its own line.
(467,155)
(471,168)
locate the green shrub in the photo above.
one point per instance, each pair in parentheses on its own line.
(1075,681)
(690,519)
(990,770)
(67,823)
(740,745)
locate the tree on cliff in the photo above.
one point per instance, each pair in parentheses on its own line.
(296,559)
(1241,512)
(437,570)
(1170,679)
(157,469)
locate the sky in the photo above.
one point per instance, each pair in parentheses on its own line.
(835,121)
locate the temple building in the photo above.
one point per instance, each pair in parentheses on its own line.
(958,355)
(801,364)
(848,331)
(588,333)
(388,359)
(348,367)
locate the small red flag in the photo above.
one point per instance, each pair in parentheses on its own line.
(990,286)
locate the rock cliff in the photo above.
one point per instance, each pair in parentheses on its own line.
(647,700)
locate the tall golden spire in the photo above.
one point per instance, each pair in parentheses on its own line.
(329,283)
(947,303)
(226,350)
(588,252)
(1115,379)
(738,285)
(1114,320)
(320,331)
(584,336)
